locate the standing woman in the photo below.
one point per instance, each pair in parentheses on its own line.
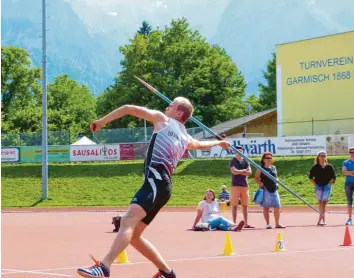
(271,195)
(322,176)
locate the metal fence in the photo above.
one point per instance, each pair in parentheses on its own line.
(141,134)
(35,138)
(318,127)
(104,136)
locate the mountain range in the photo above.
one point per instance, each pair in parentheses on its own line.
(84,36)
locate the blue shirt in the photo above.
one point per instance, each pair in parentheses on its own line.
(224,195)
(350,167)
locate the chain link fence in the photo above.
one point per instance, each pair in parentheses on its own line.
(104,136)
(35,138)
(141,134)
(318,127)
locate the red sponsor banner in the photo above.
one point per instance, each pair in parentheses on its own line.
(185,155)
(126,151)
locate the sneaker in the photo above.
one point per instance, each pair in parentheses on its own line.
(349,222)
(269,226)
(98,270)
(163,274)
(239,226)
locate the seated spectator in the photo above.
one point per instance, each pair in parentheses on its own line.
(224,195)
(208,211)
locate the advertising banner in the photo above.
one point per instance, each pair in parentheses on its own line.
(10,155)
(33,154)
(139,150)
(126,151)
(338,144)
(185,155)
(279,146)
(94,152)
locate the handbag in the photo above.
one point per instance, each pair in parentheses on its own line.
(258,196)
(116,223)
(202,227)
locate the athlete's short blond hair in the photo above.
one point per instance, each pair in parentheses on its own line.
(186,107)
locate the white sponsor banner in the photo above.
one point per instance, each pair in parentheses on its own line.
(94,152)
(282,146)
(10,155)
(351,141)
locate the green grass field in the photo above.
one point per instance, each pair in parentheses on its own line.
(114,184)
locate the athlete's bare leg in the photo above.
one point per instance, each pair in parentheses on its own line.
(147,249)
(127,226)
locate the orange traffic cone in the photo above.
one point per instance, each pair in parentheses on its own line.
(347,238)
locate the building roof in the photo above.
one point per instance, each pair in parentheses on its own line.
(314,38)
(226,126)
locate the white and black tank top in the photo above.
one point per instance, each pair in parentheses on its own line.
(166,147)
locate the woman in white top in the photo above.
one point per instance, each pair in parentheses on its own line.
(208,211)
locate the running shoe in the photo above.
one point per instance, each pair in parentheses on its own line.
(163,274)
(97,270)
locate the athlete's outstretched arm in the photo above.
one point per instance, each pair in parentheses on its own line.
(195,144)
(133,110)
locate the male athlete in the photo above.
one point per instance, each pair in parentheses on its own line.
(169,142)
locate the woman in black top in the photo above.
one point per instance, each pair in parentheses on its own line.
(322,176)
(271,196)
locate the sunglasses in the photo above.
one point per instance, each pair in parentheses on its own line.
(322,155)
(268,157)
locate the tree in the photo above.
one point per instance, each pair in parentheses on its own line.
(20,91)
(71,107)
(178,62)
(268,91)
(145,28)
(254,102)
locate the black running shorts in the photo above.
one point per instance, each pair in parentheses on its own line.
(154,193)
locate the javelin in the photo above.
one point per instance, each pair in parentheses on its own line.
(218,137)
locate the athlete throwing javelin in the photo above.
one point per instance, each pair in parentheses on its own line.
(168,143)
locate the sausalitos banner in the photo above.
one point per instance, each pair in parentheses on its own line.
(94,152)
(109,152)
(281,146)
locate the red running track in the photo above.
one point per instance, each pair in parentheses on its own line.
(54,244)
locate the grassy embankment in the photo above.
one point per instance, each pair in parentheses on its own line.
(113,184)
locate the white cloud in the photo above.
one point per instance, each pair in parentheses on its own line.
(326,19)
(113,13)
(160,3)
